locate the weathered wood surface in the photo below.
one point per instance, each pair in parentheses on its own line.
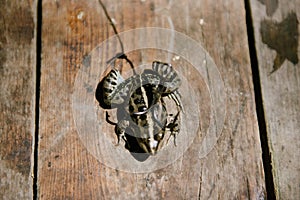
(17,97)
(276,25)
(66,169)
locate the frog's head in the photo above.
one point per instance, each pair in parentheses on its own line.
(151,144)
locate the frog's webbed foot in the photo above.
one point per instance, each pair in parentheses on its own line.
(174,128)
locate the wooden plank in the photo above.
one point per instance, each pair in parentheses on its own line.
(276,26)
(69,167)
(17,97)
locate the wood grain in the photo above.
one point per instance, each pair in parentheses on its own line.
(67,170)
(17,97)
(280,90)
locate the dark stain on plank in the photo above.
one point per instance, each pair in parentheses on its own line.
(283,38)
(17,155)
(271,6)
(3,40)
(3,43)
(20,25)
(87,61)
(16,25)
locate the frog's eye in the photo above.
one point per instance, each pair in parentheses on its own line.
(158,136)
(142,109)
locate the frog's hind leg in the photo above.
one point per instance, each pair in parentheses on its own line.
(122,56)
(109,121)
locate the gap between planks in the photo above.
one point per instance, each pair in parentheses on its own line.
(37,96)
(266,154)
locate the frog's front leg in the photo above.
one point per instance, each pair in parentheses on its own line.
(120,128)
